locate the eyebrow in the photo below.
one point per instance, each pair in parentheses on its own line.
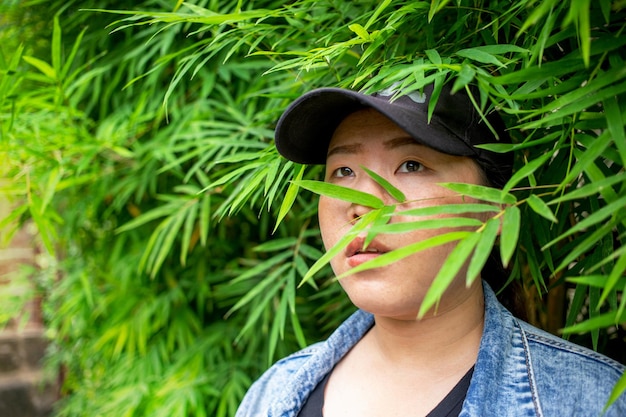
(354,148)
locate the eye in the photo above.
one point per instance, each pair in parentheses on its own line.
(411,166)
(342,172)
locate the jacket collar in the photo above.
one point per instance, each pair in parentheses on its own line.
(502,374)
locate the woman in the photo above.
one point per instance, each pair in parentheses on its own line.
(470,356)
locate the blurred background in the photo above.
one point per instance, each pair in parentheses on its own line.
(152,246)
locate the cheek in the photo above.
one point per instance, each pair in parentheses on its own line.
(327,216)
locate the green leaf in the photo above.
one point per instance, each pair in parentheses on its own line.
(290,197)
(526,170)
(381,7)
(393,191)
(449,209)
(466,75)
(615,124)
(616,274)
(361,225)
(597,281)
(42,66)
(617,391)
(510,233)
(56,45)
(435,7)
(482,193)
(433,56)
(448,272)
(483,249)
(439,223)
(586,244)
(401,253)
(590,189)
(188,230)
(598,322)
(592,219)
(360,31)
(276,245)
(379,221)
(476,54)
(340,193)
(541,208)
(205,218)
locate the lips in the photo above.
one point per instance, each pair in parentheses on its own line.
(357,254)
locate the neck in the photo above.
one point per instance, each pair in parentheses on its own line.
(446,340)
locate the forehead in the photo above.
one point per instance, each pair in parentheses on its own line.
(368,131)
(363,121)
(364,128)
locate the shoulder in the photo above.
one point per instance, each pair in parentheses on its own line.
(547,343)
(569,375)
(555,376)
(273,382)
(283,388)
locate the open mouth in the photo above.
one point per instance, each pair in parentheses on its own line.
(357,247)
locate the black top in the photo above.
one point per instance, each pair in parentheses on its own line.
(450,406)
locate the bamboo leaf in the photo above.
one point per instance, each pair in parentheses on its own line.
(588,157)
(448,272)
(56,45)
(592,219)
(393,191)
(598,322)
(617,391)
(586,244)
(597,281)
(476,54)
(616,273)
(433,56)
(401,253)
(483,250)
(380,220)
(361,225)
(440,223)
(526,170)
(540,207)
(340,193)
(590,189)
(205,218)
(275,245)
(188,230)
(360,31)
(449,209)
(510,233)
(435,7)
(481,193)
(381,8)
(615,124)
(465,76)
(42,66)
(290,198)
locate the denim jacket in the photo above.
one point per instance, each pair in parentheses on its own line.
(520,371)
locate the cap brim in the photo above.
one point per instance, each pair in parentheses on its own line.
(305,129)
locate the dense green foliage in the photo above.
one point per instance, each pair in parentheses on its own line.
(139,142)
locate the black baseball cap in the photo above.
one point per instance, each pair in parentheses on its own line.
(305,129)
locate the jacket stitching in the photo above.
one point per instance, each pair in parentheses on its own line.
(529,370)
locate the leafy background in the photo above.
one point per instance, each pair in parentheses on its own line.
(137,137)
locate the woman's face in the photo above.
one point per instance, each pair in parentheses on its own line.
(367,138)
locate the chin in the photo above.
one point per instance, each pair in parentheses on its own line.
(381,304)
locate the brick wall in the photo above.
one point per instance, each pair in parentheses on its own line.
(24,390)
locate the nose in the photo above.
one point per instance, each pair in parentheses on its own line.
(368,185)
